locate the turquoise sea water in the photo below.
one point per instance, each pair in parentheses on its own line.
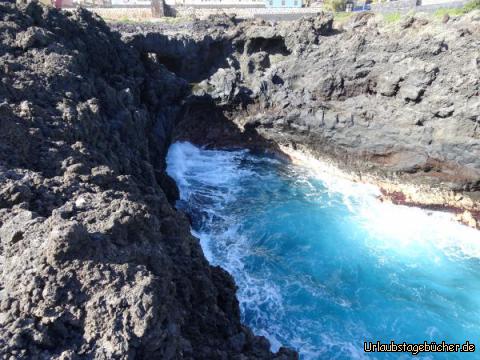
(322,265)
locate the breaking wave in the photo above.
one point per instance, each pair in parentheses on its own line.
(321,264)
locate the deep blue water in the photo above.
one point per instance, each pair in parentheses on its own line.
(321,264)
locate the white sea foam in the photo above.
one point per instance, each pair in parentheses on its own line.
(394,232)
(187,163)
(223,244)
(400,227)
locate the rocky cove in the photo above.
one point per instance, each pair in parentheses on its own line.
(96,262)
(394,110)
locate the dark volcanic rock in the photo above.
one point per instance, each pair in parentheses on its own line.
(95,261)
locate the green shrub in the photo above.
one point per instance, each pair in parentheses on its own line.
(342,16)
(440,13)
(392,17)
(335,5)
(472,5)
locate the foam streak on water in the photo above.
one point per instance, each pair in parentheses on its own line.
(321,264)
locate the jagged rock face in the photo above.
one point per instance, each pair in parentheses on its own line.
(94,260)
(405,99)
(402,101)
(398,101)
(196,51)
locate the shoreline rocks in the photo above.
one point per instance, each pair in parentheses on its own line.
(397,192)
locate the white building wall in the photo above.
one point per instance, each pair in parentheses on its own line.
(215,2)
(232,3)
(131,2)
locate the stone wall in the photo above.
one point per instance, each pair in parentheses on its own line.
(395,6)
(133,13)
(403,6)
(145,13)
(247,13)
(434,5)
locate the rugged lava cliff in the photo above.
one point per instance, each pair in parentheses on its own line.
(95,262)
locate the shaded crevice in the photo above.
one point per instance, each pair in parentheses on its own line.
(173,64)
(272,46)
